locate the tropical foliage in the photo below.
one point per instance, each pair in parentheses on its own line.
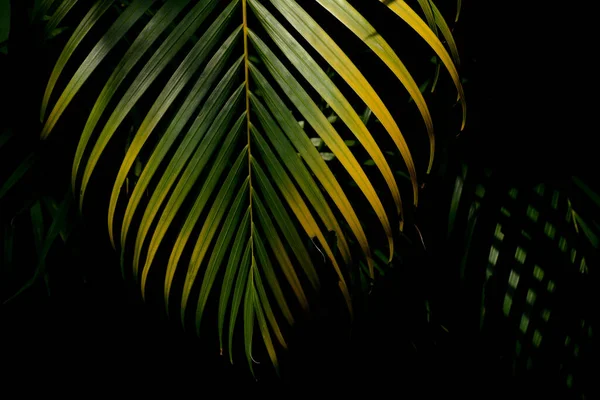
(241,122)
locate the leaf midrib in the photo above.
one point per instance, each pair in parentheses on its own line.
(248,125)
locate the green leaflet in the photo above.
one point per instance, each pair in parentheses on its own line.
(319,80)
(354,21)
(62,10)
(300,174)
(213,105)
(240,286)
(222,248)
(183,188)
(426,6)
(266,224)
(136,51)
(333,54)
(115,33)
(210,227)
(172,88)
(87,23)
(402,9)
(308,152)
(294,201)
(17,174)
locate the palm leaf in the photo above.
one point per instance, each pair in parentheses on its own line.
(446,33)
(364,30)
(426,6)
(402,9)
(42,8)
(232,186)
(86,24)
(95,57)
(62,10)
(17,174)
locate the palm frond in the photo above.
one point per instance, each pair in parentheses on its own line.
(231,185)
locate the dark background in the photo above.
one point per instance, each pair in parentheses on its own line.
(529,84)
